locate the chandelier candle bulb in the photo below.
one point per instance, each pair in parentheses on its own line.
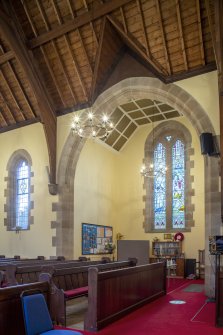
(91,126)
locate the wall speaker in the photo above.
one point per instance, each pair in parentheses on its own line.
(207,143)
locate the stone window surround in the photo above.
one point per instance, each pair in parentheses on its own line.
(10,191)
(177,131)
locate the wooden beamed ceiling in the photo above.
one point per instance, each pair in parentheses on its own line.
(68,49)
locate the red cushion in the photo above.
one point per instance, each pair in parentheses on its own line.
(76,292)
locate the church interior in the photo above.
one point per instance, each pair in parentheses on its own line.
(110,140)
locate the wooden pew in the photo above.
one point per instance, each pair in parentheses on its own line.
(11,316)
(113,294)
(24,274)
(71,283)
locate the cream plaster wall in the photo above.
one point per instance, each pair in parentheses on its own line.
(204,89)
(130,190)
(128,214)
(94,189)
(37,240)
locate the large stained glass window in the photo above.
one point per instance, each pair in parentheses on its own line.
(178,177)
(159,187)
(22,195)
(169,185)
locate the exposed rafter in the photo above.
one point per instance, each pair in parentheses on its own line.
(143,28)
(200,31)
(156,68)
(163,37)
(211,26)
(80,48)
(181,34)
(5,57)
(45,56)
(60,61)
(79,21)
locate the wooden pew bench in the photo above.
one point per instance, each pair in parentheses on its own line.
(113,294)
(23,274)
(11,315)
(72,283)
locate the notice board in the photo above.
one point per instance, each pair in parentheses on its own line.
(94,238)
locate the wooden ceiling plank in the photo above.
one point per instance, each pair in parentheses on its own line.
(144,28)
(3,118)
(17,80)
(76,67)
(200,31)
(123,20)
(212,30)
(46,109)
(68,43)
(163,37)
(181,34)
(91,25)
(66,75)
(53,76)
(5,57)
(157,68)
(3,100)
(12,95)
(79,21)
(44,55)
(80,37)
(97,61)
(22,91)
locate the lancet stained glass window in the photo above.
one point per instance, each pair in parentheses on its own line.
(22,194)
(178,176)
(159,187)
(169,185)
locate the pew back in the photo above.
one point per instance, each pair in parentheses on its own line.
(72,278)
(24,274)
(112,294)
(11,316)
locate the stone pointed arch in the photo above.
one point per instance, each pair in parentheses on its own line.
(124,91)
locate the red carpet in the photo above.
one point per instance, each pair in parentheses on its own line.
(206,314)
(162,318)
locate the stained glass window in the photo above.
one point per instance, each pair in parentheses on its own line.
(178,176)
(159,187)
(22,195)
(169,186)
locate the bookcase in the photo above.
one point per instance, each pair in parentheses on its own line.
(167,248)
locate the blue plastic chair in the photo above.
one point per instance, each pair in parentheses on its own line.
(37,318)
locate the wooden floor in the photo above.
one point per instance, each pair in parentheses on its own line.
(76,309)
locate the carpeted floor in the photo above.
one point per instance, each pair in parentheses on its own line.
(160,317)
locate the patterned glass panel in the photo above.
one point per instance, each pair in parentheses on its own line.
(22,195)
(178,179)
(159,187)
